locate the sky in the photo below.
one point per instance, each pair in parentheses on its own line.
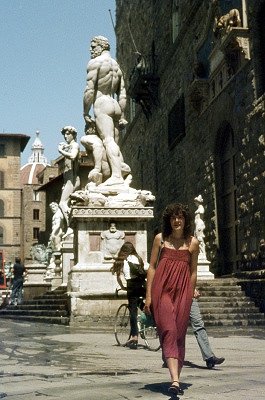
(44,48)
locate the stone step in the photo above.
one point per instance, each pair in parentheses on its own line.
(233,316)
(218,281)
(45,301)
(52,296)
(225,310)
(235,323)
(45,306)
(43,319)
(41,312)
(242,301)
(222,293)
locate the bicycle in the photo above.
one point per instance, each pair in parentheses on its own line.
(147,331)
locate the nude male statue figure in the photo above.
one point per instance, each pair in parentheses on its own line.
(70,150)
(105,91)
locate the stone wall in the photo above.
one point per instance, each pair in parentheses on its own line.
(224,96)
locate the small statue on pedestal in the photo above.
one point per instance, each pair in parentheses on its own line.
(112,241)
(200,226)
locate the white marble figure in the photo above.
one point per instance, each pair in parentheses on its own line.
(200,226)
(104,85)
(124,196)
(70,150)
(40,254)
(57,227)
(112,240)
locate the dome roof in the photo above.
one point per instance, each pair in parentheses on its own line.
(36,163)
(29,172)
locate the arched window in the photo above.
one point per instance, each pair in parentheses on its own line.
(175,19)
(2,208)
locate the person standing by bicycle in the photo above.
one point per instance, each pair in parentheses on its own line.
(130,265)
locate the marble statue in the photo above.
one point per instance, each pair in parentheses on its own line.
(105,91)
(200,225)
(57,227)
(126,196)
(40,254)
(70,150)
(112,240)
(223,23)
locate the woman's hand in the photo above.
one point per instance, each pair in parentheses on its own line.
(147,306)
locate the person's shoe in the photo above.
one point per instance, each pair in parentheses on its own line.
(175,389)
(212,361)
(132,344)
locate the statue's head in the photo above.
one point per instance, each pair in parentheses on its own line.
(112,227)
(54,206)
(69,130)
(198,199)
(98,44)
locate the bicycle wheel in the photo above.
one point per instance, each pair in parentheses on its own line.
(151,338)
(122,325)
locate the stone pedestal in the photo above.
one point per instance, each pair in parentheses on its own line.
(203,272)
(34,284)
(91,285)
(67,252)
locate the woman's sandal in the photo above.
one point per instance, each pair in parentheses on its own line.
(175,389)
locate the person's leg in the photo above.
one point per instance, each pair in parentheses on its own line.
(105,127)
(199,331)
(202,337)
(14,291)
(132,300)
(19,292)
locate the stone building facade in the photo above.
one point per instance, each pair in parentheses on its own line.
(195,75)
(11,146)
(33,212)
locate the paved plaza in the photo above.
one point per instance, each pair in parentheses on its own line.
(40,361)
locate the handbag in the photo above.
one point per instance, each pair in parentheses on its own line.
(137,270)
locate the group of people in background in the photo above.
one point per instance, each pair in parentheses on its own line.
(170,291)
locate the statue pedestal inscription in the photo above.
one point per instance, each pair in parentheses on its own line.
(91,285)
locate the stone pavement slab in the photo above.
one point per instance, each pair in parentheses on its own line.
(39,361)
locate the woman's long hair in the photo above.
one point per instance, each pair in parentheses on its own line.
(172,210)
(126,249)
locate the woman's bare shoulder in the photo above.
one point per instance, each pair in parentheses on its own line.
(158,238)
(194,244)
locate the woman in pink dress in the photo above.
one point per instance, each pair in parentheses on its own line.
(171,281)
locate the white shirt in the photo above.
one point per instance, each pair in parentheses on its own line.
(126,269)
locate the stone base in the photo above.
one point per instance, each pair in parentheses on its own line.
(36,273)
(203,272)
(91,285)
(89,310)
(32,290)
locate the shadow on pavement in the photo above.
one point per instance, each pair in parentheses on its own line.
(162,387)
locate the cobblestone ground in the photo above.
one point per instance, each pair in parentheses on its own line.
(40,361)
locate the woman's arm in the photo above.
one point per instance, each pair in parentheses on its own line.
(151,271)
(194,249)
(121,283)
